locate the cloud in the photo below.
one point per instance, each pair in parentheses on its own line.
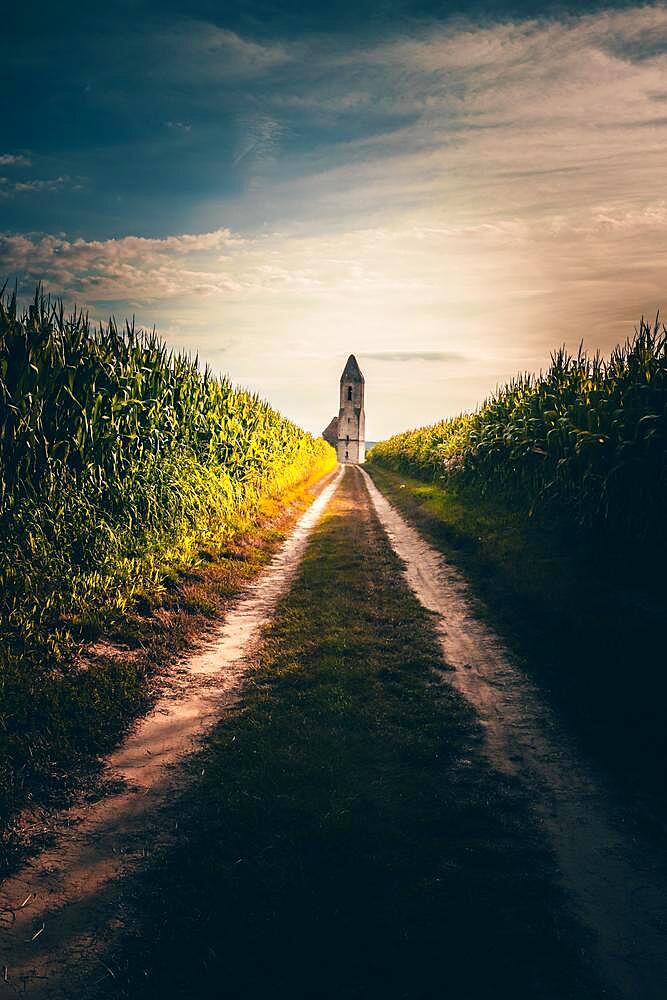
(496,189)
(514,97)
(198,51)
(430,356)
(259,140)
(224,52)
(51,184)
(14,160)
(10,188)
(120,269)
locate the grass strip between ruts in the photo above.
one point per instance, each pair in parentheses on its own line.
(588,624)
(342,835)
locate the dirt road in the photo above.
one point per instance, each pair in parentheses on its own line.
(617,883)
(61,912)
(58,912)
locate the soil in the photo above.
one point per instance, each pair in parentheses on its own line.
(615,878)
(343,835)
(61,912)
(56,913)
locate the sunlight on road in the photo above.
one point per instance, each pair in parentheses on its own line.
(60,910)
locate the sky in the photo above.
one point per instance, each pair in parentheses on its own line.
(448,190)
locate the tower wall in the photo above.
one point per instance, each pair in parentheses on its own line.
(351,447)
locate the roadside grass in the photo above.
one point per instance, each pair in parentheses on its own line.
(342,835)
(57,722)
(587,622)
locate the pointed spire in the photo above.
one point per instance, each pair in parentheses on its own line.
(351,371)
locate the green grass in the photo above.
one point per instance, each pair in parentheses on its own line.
(121,462)
(56,721)
(343,836)
(586,622)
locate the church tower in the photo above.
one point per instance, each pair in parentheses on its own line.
(351,421)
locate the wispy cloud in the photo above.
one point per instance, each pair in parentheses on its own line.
(403,356)
(495,189)
(10,188)
(198,51)
(14,160)
(259,139)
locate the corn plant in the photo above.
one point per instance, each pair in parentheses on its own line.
(117,457)
(586,439)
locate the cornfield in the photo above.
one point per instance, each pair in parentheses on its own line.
(118,458)
(587,440)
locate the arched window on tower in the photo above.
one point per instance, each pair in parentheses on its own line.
(347,454)
(349,392)
(347,439)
